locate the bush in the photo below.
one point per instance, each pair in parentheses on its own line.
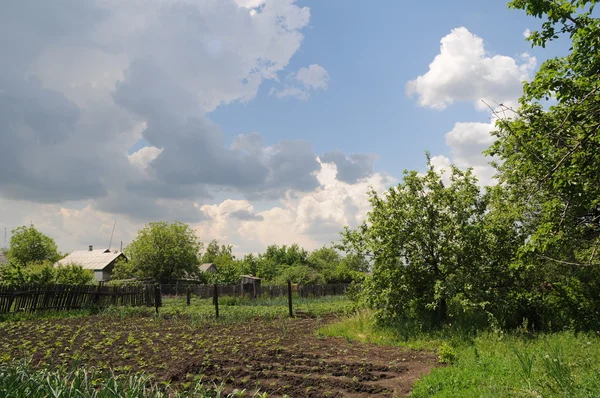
(44,273)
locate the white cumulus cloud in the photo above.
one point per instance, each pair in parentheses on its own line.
(144,156)
(465,71)
(304,82)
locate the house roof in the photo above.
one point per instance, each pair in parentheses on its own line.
(250,277)
(206,266)
(3,259)
(95,260)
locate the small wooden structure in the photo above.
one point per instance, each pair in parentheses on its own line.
(251,285)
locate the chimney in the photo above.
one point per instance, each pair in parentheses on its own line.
(91,247)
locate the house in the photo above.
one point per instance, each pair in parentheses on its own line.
(101,262)
(208,267)
(3,259)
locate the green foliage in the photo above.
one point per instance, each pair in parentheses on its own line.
(164,252)
(123,269)
(278,264)
(549,165)
(44,273)
(73,274)
(28,245)
(301,274)
(446,353)
(433,253)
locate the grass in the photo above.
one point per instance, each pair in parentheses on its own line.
(490,364)
(239,309)
(361,327)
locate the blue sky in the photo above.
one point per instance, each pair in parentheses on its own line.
(256,122)
(370,54)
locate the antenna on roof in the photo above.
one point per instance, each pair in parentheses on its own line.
(111,234)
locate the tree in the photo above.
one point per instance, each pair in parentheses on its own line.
(549,158)
(301,274)
(334,267)
(214,252)
(325,258)
(28,245)
(73,274)
(124,270)
(549,162)
(164,252)
(428,245)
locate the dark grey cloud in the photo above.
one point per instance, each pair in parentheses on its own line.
(193,150)
(142,209)
(351,168)
(246,215)
(292,166)
(38,159)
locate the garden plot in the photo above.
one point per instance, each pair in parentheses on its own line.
(281,357)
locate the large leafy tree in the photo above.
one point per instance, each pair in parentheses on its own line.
(164,251)
(28,245)
(550,156)
(550,165)
(428,243)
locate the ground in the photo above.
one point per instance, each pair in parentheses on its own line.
(279,356)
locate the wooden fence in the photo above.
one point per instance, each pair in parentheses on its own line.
(207,291)
(67,297)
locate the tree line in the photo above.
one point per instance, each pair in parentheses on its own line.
(168,252)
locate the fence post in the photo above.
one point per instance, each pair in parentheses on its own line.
(290,299)
(188,295)
(216,300)
(157,297)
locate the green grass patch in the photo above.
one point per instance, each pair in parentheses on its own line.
(495,365)
(361,327)
(490,364)
(239,309)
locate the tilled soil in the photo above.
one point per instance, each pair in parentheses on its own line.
(281,357)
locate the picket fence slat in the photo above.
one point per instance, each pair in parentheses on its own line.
(68,297)
(268,291)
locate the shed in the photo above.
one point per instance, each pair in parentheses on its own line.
(101,261)
(208,267)
(251,285)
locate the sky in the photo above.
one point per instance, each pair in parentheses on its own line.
(256,122)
